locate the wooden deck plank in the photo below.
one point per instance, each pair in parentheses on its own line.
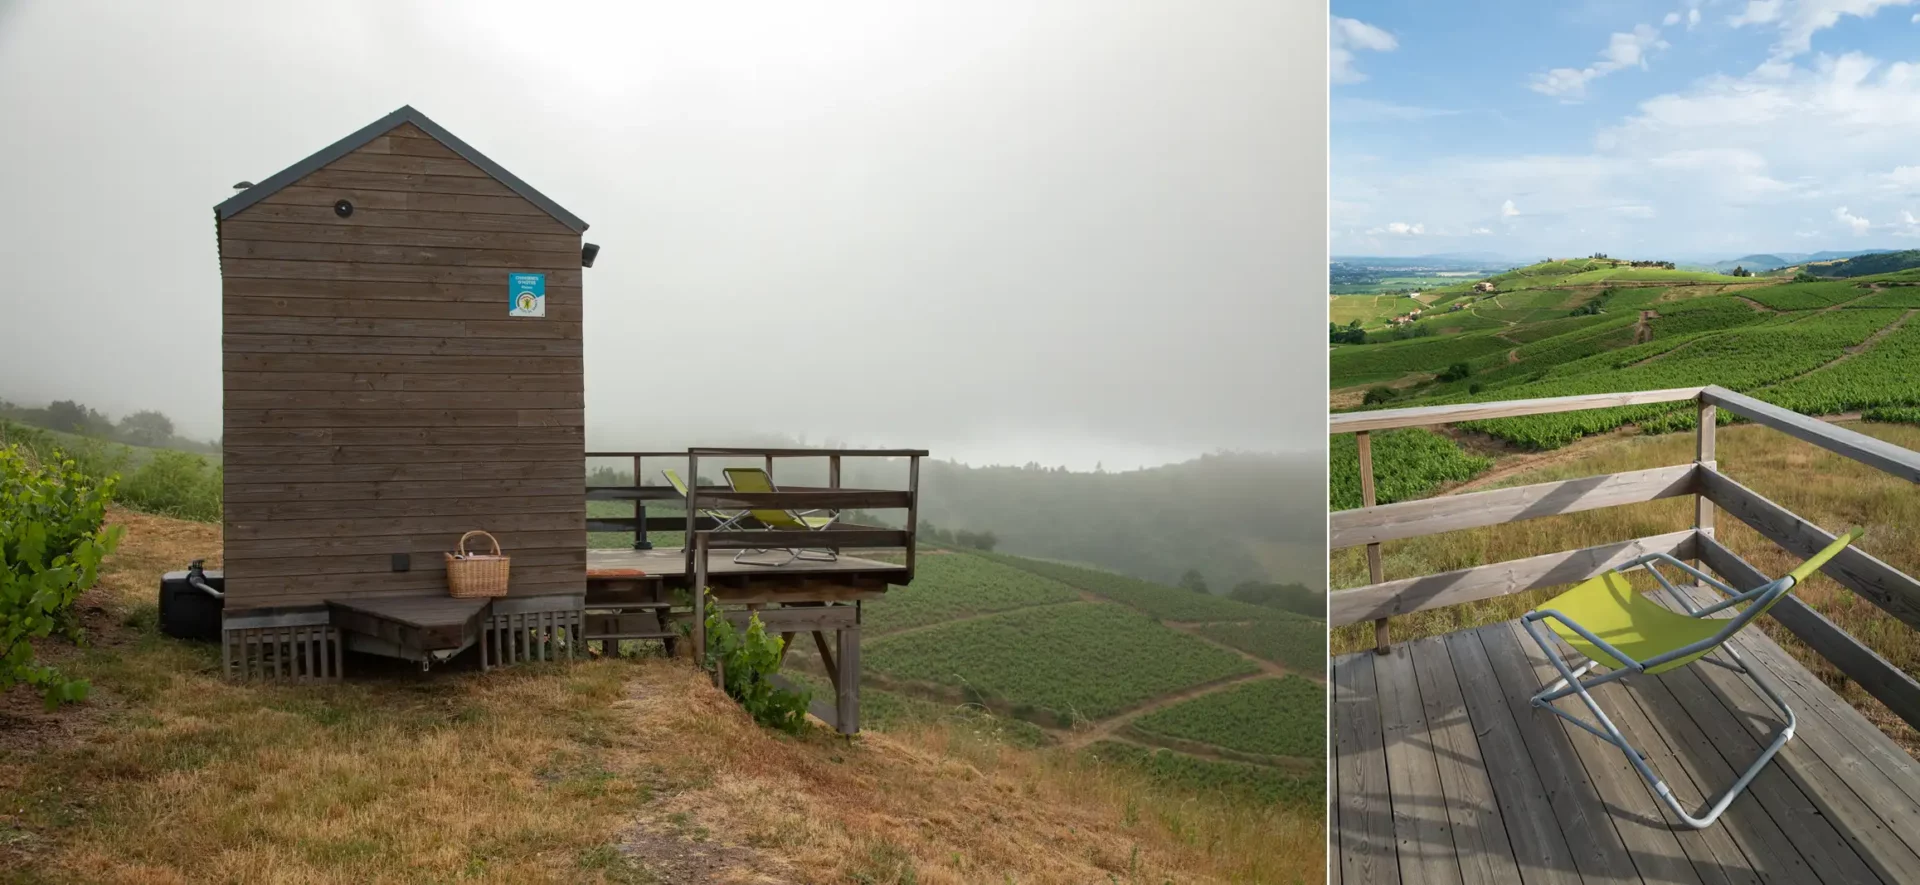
(1854,815)
(1694,768)
(1422,832)
(1539,847)
(1637,816)
(1598,850)
(1479,831)
(1367,853)
(1897,783)
(1876,817)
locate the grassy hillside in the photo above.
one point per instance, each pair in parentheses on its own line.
(1868,265)
(624,771)
(1824,348)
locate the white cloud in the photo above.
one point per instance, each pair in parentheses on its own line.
(1693,18)
(1798,20)
(1673,18)
(1508,210)
(1367,110)
(1728,163)
(1624,50)
(1634,211)
(1400,229)
(1347,36)
(1481,231)
(1859,225)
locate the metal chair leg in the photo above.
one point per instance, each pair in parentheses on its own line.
(1571,682)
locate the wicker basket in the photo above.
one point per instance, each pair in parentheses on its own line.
(474,575)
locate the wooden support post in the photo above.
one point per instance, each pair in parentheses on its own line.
(826,658)
(913,511)
(699,588)
(833,471)
(1704,456)
(640,541)
(847,687)
(1381,645)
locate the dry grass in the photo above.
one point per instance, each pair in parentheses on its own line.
(622,771)
(1832,491)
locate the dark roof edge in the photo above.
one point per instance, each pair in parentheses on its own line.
(406,114)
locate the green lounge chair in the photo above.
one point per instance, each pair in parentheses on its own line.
(725,519)
(754,479)
(1625,632)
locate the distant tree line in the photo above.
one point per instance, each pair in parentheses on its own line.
(962,538)
(147,428)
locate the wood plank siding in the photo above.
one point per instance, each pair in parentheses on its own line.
(378,398)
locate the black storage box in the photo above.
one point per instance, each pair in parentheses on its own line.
(186,611)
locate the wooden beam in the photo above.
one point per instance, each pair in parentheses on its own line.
(783,539)
(1432,516)
(1901,462)
(1499,579)
(1883,585)
(808,453)
(1388,419)
(847,687)
(1363,442)
(1876,674)
(1703,454)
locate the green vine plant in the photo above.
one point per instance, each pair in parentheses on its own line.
(51,546)
(747,663)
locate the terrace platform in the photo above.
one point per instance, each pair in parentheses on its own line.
(1443,772)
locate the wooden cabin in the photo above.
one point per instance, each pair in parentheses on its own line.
(402,363)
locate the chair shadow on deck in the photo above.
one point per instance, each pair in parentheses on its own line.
(1467,782)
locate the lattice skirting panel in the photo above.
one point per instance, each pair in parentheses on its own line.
(514,634)
(305,652)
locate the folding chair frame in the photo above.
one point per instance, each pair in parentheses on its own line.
(793,553)
(1571,681)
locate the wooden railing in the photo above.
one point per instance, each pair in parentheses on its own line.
(704,534)
(1373,524)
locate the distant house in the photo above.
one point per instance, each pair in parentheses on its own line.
(1456,306)
(1483,286)
(1413,313)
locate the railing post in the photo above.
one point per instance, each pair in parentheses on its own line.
(1703,456)
(913,511)
(640,541)
(1364,440)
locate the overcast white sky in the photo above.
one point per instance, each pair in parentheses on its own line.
(1066,232)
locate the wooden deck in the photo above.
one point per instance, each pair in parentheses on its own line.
(1444,773)
(427,622)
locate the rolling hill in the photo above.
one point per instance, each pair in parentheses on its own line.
(1824,348)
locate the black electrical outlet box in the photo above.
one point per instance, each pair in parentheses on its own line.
(403,562)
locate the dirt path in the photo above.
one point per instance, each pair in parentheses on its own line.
(1108,727)
(1756,305)
(1643,333)
(1661,355)
(1296,764)
(1507,465)
(1851,352)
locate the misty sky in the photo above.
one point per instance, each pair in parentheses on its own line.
(1678,129)
(1062,232)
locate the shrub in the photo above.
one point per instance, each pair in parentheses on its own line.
(1377,395)
(1455,372)
(748,663)
(175,484)
(51,546)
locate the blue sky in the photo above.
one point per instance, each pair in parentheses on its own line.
(1680,129)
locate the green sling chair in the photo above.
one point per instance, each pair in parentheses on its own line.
(754,479)
(725,519)
(1625,632)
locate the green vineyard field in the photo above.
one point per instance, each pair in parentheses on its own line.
(958,585)
(1271,717)
(1084,659)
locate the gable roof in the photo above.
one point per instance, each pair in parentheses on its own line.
(406,114)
